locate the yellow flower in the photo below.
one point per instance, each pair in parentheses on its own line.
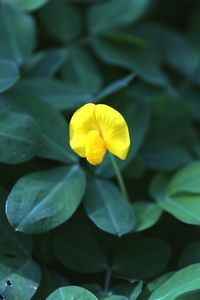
(97,128)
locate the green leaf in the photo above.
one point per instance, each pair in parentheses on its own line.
(71,292)
(184,205)
(46,63)
(52,91)
(80,72)
(9,74)
(141,60)
(111,14)
(190,255)
(107,208)
(17,34)
(24,275)
(185,280)
(54,139)
(114,87)
(187,180)
(43,200)
(67,20)
(147,214)
(145,258)
(79,251)
(27,5)
(115,298)
(19,135)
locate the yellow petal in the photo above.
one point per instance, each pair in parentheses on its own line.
(95,148)
(113,129)
(82,122)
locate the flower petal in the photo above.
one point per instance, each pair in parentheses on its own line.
(82,122)
(113,129)
(95,148)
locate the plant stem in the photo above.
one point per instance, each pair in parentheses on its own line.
(107,281)
(119,177)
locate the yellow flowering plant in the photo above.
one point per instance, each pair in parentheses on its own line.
(96,129)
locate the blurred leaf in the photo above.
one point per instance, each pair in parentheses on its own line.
(190,255)
(79,251)
(147,214)
(185,206)
(55,92)
(67,21)
(137,116)
(110,14)
(51,280)
(114,87)
(19,135)
(54,129)
(43,200)
(137,291)
(27,5)
(141,60)
(114,216)
(71,292)
(182,281)
(23,274)
(8,74)
(17,34)
(145,258)
(46,63)
(80,72)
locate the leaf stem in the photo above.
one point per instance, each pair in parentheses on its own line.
(119,177)
(107,280)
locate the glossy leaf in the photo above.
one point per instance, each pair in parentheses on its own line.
(184,280)
(71,292)
(147,214)
(54,139)
(114,216)
(22,273)
(43,200)
(20,135)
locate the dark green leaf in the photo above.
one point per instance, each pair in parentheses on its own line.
(107,208)
(24,276)
(71,292)
(19,135)
(110,14)
(145,258)
(147,214)
(9,74)
(80,251)
(17,34)
(54,129)
(43,200)
(67,21)
(183,281)
(190,255)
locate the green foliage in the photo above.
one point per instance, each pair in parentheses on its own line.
(67,231)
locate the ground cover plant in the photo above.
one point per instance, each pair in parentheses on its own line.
(67,230)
